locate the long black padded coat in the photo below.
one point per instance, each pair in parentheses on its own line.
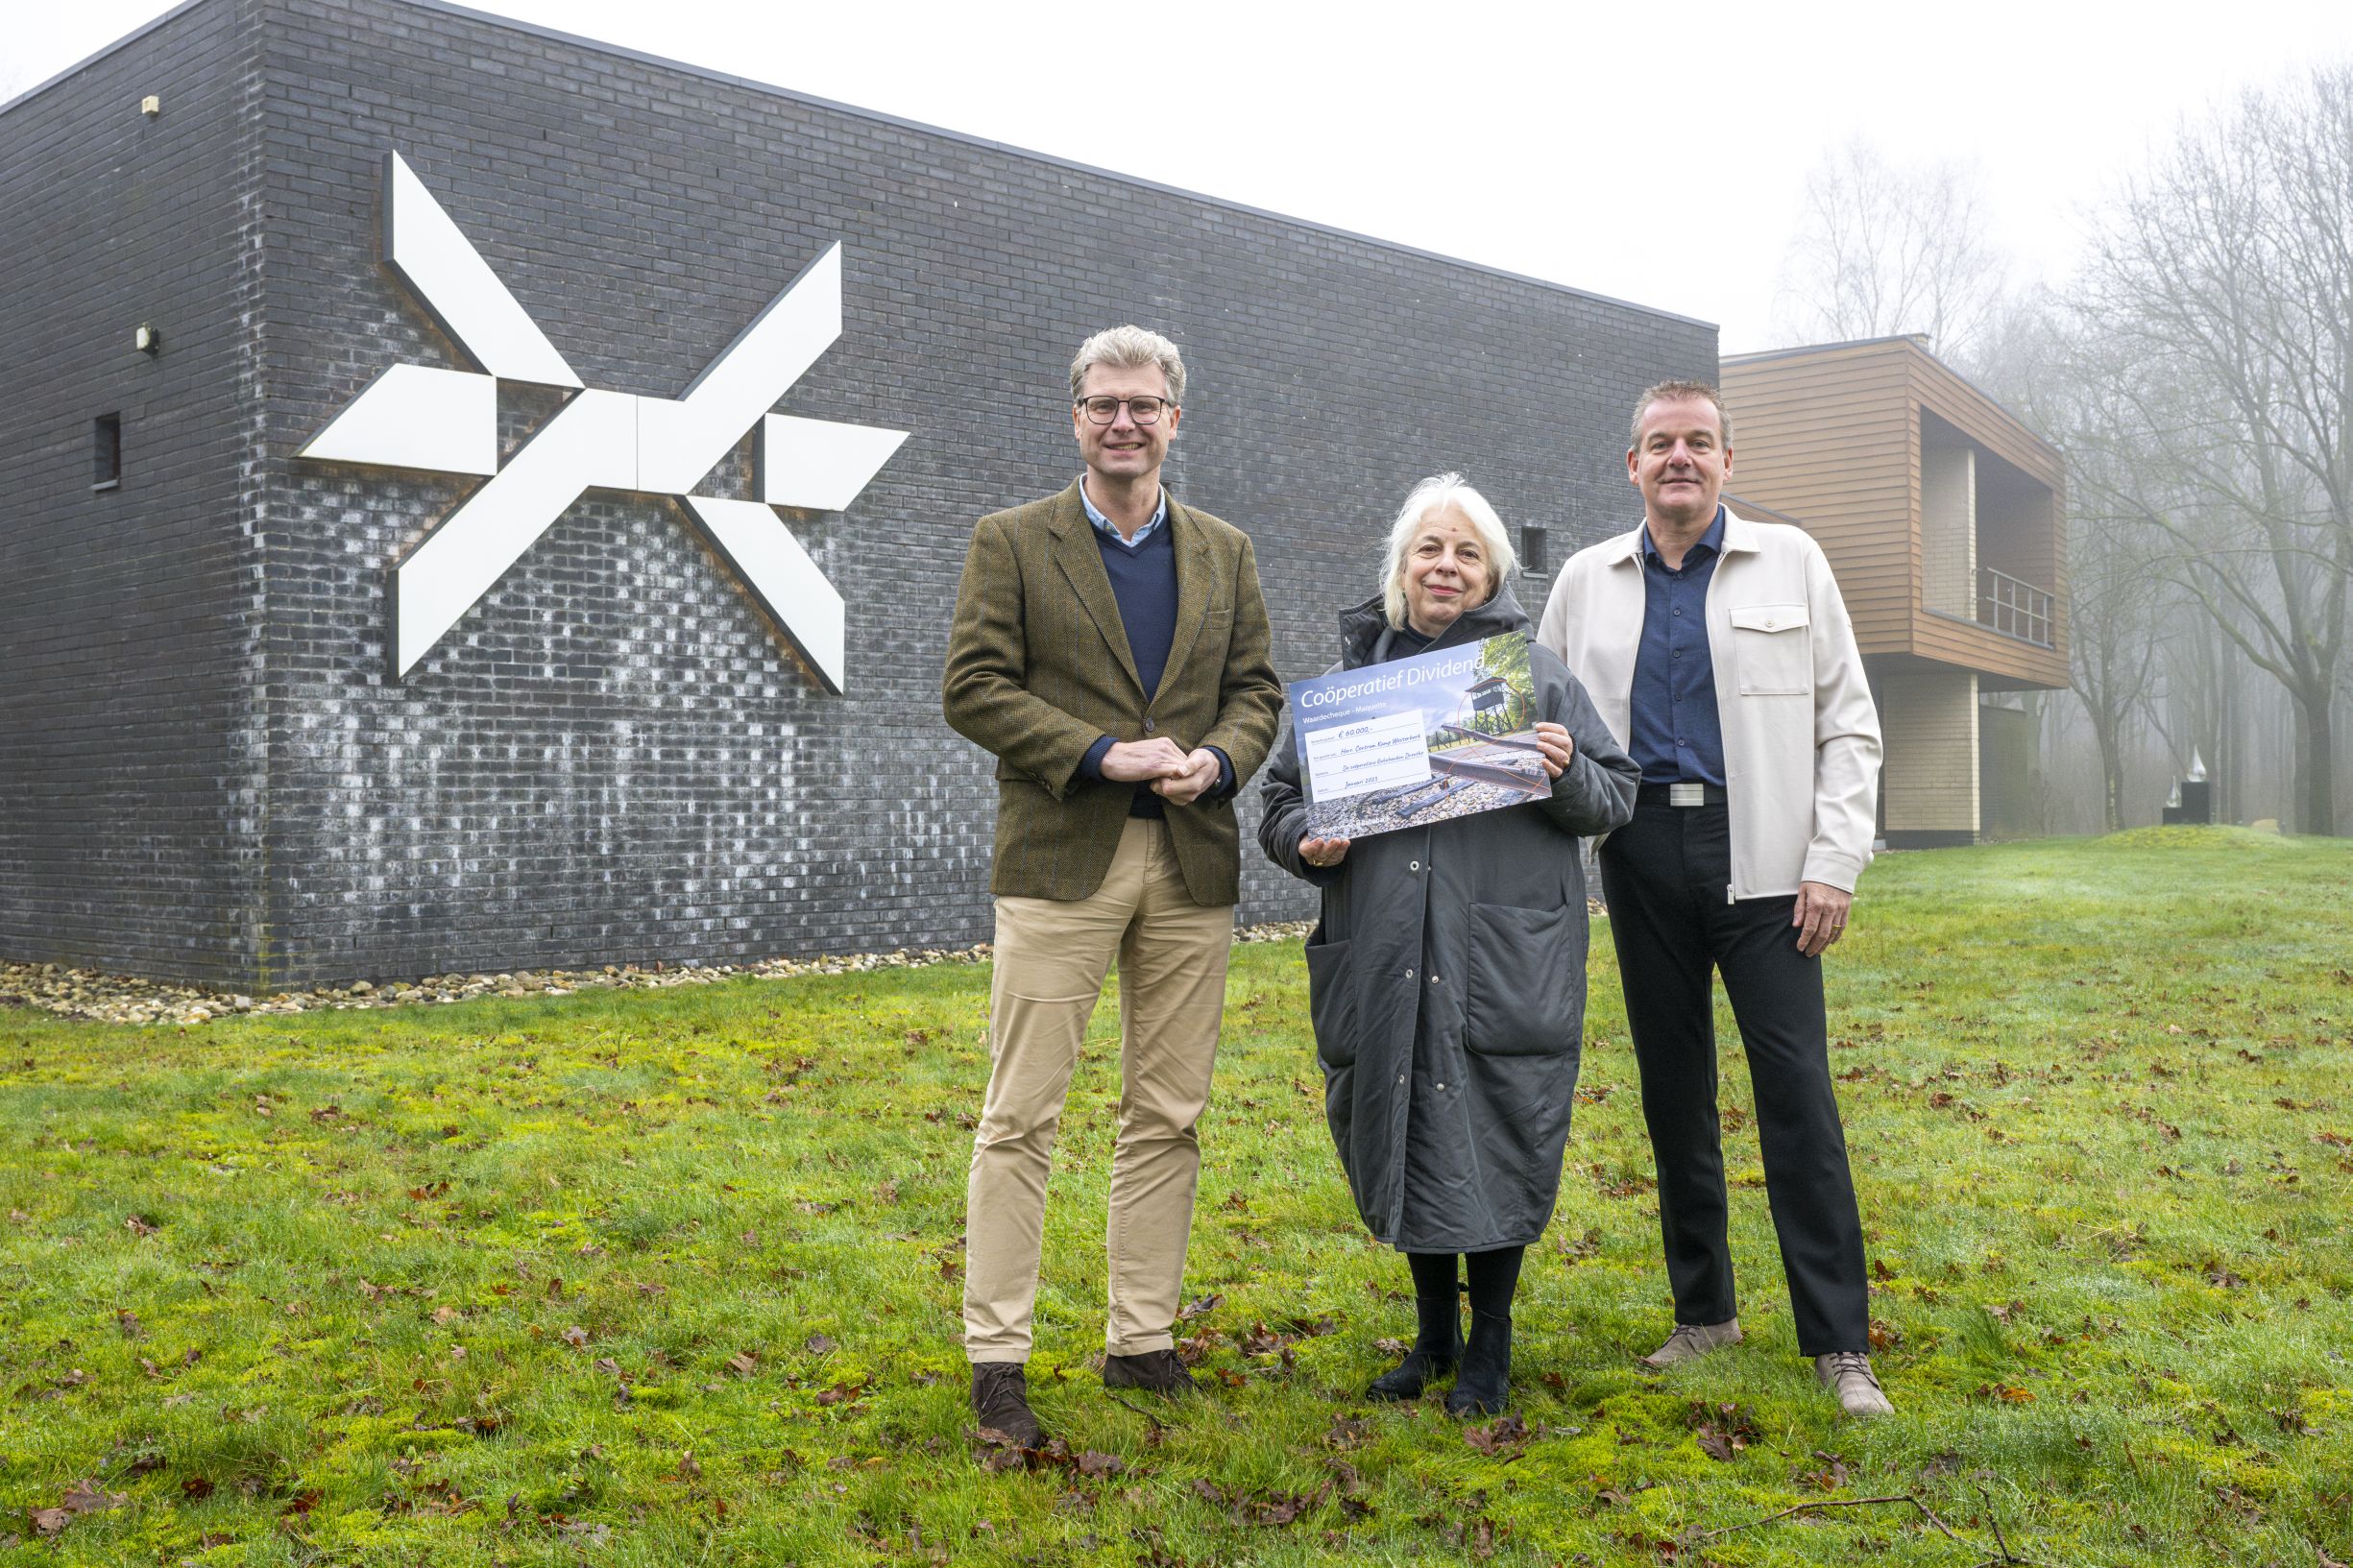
(1446,977)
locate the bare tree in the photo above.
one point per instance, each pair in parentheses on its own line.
(2112,648)
(2054,376)
(1882,250)
(2223,285)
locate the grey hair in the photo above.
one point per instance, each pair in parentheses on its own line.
(1675,392)
(1432,495)
(1130,347)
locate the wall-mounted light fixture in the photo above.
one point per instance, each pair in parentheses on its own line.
(148,338)
(151,106)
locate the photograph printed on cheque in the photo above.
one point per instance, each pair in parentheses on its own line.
(1417,740)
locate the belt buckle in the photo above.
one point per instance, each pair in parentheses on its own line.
(1686,794)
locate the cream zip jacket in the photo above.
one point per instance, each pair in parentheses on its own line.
(1801,733)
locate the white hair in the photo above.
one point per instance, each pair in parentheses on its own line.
(1433,494)
(1130,347)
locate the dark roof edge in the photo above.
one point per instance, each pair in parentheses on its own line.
(1757,509)
(772,90)
(1829,347)
(1917,347)
(87,61)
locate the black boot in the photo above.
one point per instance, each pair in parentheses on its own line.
(1438,1342)
(1422,1364)
(1487,1367)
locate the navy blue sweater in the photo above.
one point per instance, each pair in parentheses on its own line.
(1144,581)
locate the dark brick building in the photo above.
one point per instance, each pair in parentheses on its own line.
(207,770)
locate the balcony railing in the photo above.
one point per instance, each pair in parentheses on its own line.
(2013,607)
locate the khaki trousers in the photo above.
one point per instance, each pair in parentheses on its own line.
(1052,956)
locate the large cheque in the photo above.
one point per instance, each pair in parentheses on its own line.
(1418,740)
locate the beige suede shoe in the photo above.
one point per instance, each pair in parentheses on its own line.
(1848,1374)
(1691,1340)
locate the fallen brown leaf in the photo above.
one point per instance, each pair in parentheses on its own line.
(83,1497)
(1261,1341)
(1721,1429)
(1833,1474)
(1346,1433)
(1504,1438)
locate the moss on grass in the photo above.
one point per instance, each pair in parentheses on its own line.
(673,1277)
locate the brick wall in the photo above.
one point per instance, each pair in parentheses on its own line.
(1949,530)
(609,757)
(1929,780)
(131,764)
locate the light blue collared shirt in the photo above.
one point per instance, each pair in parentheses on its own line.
(1160,516)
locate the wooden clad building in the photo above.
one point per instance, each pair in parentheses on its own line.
(1943,517)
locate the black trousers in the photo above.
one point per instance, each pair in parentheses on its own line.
(1665,875)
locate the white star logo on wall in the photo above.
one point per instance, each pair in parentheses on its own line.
(447,421)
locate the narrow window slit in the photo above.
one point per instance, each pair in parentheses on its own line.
(106,451)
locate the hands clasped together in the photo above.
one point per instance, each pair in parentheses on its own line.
(1177,774)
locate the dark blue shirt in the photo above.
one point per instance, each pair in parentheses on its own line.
(1678,737)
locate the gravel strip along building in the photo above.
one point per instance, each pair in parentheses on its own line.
(402,573)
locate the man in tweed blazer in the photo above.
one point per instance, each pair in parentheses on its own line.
(1110,650)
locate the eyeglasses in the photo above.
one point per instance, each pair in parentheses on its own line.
(1142,410)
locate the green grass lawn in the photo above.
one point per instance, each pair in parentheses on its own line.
(673,1277)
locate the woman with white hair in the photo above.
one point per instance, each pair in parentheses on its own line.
(1446,977)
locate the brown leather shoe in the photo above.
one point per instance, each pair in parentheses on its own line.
(1001,1402)
(1156,1372)
(1691,1340)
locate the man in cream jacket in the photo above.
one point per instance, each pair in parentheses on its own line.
(1720,655)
